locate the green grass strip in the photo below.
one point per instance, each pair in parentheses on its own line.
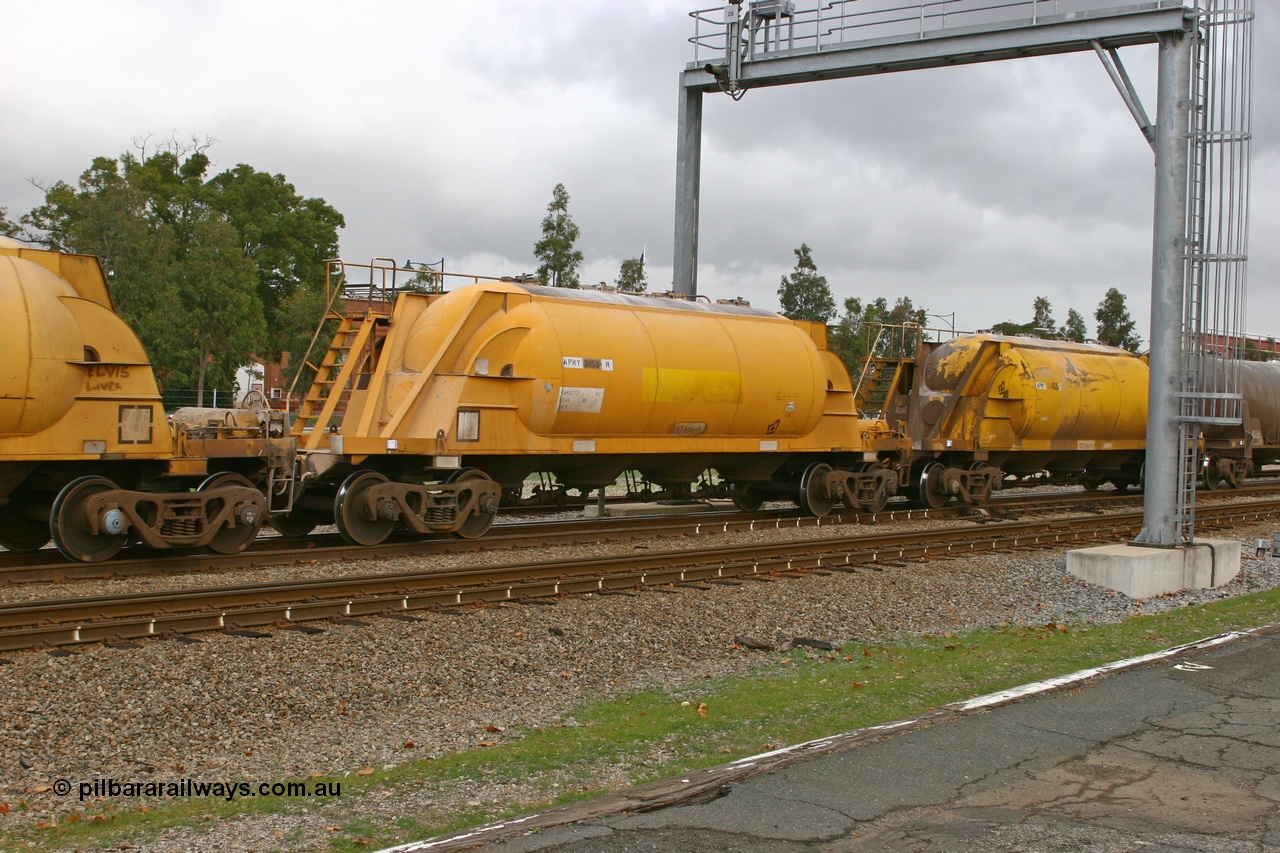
(792,697)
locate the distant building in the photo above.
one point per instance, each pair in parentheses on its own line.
(268,377)
(1265,349)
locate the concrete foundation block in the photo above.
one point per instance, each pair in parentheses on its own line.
(1212,562)
(1147,572)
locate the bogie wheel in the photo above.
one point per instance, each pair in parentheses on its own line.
(993,485)
(350,513)
(997,483)
(1229,473)
(69,523)
(1209,475)
(477,523)
(987,489)
(882,495)
(749,500)
(22,534)
(298,523)
(933,493)
(813,499)
(230,540)
(1129,481)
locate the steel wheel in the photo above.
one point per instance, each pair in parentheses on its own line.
(1209,475)
(69,523)
(298,523)
(1229,474)
(18,533)
(750,500)
(477,523)
(812,499)
(230,540)
(351,515)
(933,493)
(23,534)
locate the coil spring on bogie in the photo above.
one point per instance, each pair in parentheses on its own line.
(187,526)
(439,514)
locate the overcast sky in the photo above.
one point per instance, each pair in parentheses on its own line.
(439,129)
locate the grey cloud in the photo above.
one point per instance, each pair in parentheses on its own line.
(965,188)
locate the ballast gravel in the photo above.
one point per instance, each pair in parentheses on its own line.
(380,692)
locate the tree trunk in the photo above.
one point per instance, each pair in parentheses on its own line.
(200,382)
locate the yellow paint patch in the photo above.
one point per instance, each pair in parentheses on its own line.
(672,385)
(189,466)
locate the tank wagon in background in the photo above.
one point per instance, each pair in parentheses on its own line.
(1232,453)
(986,410)
(456,399)
(87,456)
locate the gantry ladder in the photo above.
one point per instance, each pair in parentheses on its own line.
(1216,236)
(333,375)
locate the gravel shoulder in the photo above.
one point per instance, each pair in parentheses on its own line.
(382,692)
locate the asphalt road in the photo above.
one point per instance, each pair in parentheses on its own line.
(1181,753)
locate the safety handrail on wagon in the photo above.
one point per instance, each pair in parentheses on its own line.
(330,295)
(386,279)
(893,343)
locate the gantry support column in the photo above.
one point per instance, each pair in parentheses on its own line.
(1168,285)
(688,187)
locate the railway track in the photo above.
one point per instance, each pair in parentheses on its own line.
(245,607)
(47,565)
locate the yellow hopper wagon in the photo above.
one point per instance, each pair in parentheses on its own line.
(87,456)
(987,410)
(430,409)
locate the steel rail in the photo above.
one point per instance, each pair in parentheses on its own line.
(121,617)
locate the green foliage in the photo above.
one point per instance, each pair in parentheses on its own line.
(854,336)
(1115,327)
(288,237)
(804,294)
(1008,327)
(631,276)
(221,320)
(1254,352)
(161,229)
(8,228)
(105,216)
(560,260)
(108,214)
(1041,325)
(1075,329)
(299,315)
(423,281)
(1042,315)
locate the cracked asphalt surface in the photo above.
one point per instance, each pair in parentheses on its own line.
(1181,755)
